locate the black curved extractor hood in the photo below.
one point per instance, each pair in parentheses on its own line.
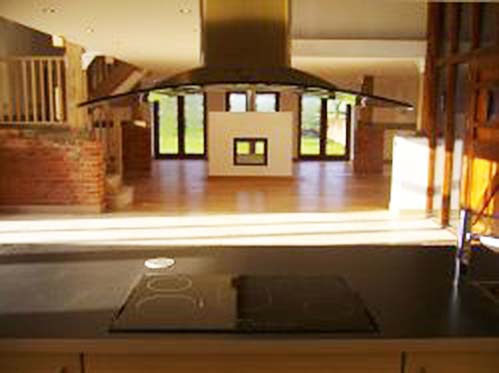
(245,45)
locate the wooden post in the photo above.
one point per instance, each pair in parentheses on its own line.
(51,92)
(17,89)
(43,101)
(24,89)
(467,173)
(34,96)
(429,100)
(3,94)
(452,10)
(120,115)
(76,87)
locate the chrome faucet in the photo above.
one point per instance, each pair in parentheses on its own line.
(463,250)
(464,244)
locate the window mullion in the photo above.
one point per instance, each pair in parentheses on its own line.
(181,124)
(323,128)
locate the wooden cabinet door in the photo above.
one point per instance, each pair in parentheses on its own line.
(39,363)
(383,363)
(455,362)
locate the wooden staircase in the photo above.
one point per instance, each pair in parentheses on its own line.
(107,77)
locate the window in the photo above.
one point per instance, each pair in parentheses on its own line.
(325,128)
(336,136)
(310,126)
(168,134)
(493,105)
(250,151)
(265,102)
(194,124)
(237,101)
(179,126)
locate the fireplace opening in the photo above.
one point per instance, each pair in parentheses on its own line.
(250,152)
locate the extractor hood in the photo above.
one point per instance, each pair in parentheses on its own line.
(246,45)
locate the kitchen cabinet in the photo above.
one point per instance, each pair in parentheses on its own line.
(39,363)
(452,362)
(358,363)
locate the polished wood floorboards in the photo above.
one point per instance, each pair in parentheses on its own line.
(180,187)
(325,204)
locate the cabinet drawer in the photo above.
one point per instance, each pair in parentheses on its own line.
(39,363)
(383,363)
(455,362)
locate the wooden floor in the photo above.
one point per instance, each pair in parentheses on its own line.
(178,205)
(179,187)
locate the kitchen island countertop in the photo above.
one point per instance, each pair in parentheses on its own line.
(61,297)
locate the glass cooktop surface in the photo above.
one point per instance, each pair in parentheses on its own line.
(245,304)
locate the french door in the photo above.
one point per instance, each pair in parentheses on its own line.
(324,129)
(179,126)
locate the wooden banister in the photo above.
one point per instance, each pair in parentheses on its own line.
(32,90)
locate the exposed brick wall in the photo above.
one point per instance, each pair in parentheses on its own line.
(369,138)
(40,170)
(136,150)
(368,151)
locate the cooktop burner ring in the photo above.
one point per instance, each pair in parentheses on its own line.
(193,301)
(185,284)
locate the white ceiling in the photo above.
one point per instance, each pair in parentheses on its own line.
(156,35)
(359,19)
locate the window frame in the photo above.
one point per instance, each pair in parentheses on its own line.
(277,103)
(181,123)
(227,100)
(275,94)
(323,156)
(251,141)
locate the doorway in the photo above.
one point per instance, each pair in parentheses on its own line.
(324,132)
(179,126)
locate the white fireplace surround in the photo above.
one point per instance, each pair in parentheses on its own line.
(224,127)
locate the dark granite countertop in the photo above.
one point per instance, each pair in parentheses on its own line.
(73,293)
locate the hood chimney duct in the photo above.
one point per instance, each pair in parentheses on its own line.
(245,33)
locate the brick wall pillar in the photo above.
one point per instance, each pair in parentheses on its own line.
(369,139)
(49,170)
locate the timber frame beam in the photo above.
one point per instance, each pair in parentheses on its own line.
(455,40)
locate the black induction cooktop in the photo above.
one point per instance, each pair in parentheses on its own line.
(245,304)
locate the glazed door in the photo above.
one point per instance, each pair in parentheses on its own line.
(179,126)
(324,129)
